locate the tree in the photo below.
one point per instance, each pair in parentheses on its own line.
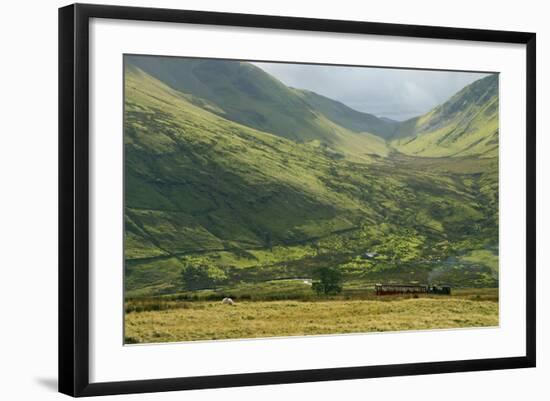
(328,281)
(196,276)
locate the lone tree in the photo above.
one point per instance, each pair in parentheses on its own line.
(328,281)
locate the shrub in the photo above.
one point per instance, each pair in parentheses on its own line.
(200,276)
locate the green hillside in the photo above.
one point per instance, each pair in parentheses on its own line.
(465,125)
(244,93)
(186,165)
(209,185)
(239,92)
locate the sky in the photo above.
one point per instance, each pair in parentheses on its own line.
(398,94)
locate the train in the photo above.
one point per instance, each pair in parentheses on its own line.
(396,289)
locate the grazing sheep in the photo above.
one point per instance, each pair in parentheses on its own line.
(228,301)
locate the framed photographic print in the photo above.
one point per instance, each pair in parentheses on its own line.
(250,199)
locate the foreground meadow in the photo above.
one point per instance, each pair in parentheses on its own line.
(204,320)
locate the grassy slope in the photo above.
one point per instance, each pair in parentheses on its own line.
(244,93)
(187,169)
(465,125)
(199,169)
(201,187)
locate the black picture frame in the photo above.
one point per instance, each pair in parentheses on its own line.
(74,199)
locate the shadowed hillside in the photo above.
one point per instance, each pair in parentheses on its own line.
(244,93)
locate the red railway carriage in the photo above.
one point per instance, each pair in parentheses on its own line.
(398,289)
(393,289)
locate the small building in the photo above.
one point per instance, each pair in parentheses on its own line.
(370,255)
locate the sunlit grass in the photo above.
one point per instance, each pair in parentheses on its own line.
(212,320)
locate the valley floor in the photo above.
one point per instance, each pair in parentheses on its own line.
(203,320)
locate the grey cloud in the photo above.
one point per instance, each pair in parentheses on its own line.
(394,93)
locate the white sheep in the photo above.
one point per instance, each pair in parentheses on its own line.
(228,301)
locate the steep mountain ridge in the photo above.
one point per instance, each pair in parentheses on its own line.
(347,117)
(465,125)
(246,94)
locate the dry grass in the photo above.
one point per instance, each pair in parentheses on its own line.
(212,320)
